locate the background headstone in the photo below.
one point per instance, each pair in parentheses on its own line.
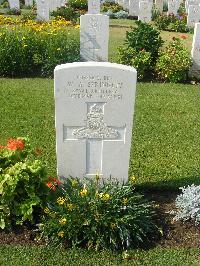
(159,5)
(93,7)
(134,8)
(94,34)
(28,2)
(14,4)
(193,15)
(173,6)
(145,11)
(94,113)
(195,53)
(43,10)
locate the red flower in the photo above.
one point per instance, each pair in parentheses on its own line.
(2,147)
(55,180)
(15,144)
(184,37)
(51,186)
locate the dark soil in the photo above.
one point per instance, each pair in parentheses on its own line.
(175,234)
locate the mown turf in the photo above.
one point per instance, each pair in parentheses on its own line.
(37,256)
(166,138)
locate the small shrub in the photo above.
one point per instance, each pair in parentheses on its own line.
(78,4)
(67,12)
(162,22)
(188,204)
(145,37)
(110,14)
(121,14)
(155,13)
(31,48)
(30,15)
(98,214)
(140,60)
(114,7)
(180,25)
(14,11)
(22,182)
(174,62)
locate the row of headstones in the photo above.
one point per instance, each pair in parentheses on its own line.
(44,7)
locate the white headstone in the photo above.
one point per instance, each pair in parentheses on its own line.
(145,11)
(159,5)
(43,10)
(28,2)
(93,7)
(134,8)
(94,36)
(193,15)
(195,53)
(14,4)
(126,4)
(94,104)
(173,6)
(191,3)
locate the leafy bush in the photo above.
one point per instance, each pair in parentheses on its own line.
(78,4)
(114,7)
(145,37)
(22,186)
(162,22)
(13,11)
(172,23)
(180,25)
(30,15)
(188,204)
(98,214)
(174,62)
(31,48)
(140,60)
(67,12)
(121,14)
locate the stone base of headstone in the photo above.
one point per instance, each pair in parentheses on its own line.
(94,37)
(194,73)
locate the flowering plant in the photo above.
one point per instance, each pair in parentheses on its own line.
(22,182)
(97,213)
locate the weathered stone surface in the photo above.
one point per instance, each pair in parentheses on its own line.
(94,114)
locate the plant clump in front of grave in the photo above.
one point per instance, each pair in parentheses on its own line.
(171,22)
(141,49)
(174,62)
(97,213)
(22,182)
(188,204)
(29,48)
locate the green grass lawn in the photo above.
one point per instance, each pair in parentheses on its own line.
(37,256)
(166,136)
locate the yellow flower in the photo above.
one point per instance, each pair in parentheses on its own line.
(77,27)
(46,210)
(24,45)
(106,196)
(58,49)
(60,200)
(70,206)
(74,183)
(132,179)
(61,233)
(63,221)
(125,201)
(113,225)
(83,192)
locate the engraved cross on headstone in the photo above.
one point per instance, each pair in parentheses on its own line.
(96,132)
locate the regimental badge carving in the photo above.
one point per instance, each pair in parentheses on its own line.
(95,128)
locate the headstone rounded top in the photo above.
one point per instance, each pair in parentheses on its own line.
(95,64)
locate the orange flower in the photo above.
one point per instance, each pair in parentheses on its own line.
(51,186)
(184,37)
(2,147)
(15,144)
(55,180)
